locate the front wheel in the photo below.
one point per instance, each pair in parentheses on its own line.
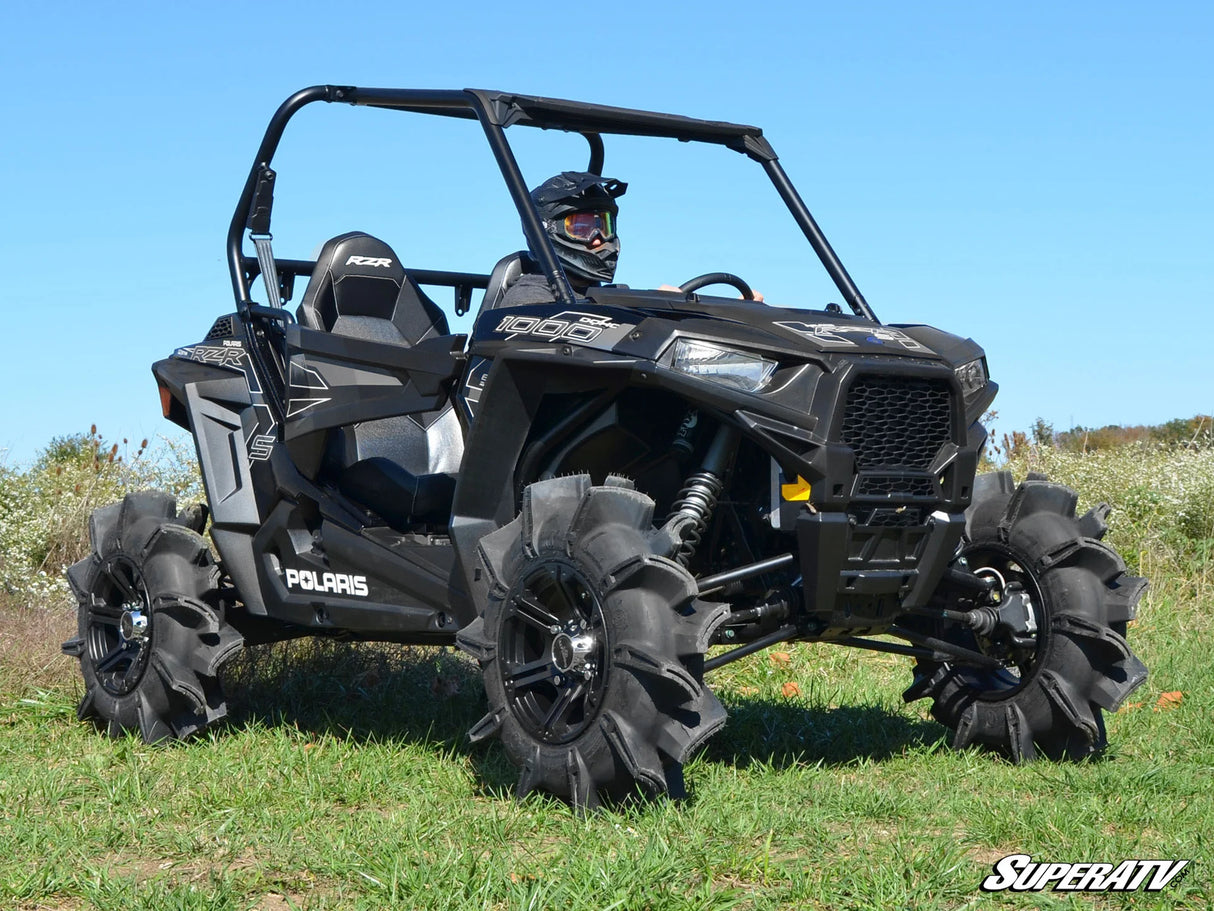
(591,646)
(1069,659)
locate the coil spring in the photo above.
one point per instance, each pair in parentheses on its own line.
(695,501)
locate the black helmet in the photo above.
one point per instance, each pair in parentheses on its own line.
(572,192)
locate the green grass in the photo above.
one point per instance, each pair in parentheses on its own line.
(345,781)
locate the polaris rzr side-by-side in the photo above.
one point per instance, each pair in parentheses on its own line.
(600,498)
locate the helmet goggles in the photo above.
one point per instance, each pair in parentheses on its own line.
(585,226)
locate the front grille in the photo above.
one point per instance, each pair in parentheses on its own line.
(894,485)
(897,422)
(903,517)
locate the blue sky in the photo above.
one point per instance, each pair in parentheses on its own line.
(1035,176)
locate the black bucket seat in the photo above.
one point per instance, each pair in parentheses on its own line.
(401,468)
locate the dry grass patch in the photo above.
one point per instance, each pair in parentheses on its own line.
(29,646)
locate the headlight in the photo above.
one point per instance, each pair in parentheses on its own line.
(972,377)
(727,366)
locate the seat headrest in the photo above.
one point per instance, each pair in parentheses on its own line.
(359,276)
(506,273)
(355,275)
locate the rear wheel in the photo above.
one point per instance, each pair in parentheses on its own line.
(151,633)
(1070,660)
(591,646)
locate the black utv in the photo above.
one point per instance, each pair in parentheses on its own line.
(601,499)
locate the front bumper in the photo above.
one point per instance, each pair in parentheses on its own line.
(858,578)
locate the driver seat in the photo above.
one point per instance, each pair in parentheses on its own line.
(401,468)
(507,271)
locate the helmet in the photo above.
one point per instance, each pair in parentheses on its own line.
(571,193)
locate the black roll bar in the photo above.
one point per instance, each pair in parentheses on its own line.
(818,241)
(265,153)
(496,111)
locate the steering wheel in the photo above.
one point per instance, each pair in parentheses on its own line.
(717,278)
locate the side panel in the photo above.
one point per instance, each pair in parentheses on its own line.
(323,576)
(333,380)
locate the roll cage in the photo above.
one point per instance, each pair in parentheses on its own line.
(496,111)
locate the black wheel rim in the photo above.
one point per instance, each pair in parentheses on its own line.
(552,650)
(119,635)
(1021,665)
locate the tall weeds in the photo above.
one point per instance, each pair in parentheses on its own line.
(1163,504)
(45,507)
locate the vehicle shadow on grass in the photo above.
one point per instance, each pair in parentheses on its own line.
(357,691)
(432,696)
(368,692)
(780,732)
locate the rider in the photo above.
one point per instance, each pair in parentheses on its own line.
(579,212)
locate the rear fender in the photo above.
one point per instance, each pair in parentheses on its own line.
(207,390)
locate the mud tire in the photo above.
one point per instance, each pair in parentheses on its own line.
(1084,600)
(151,631)
(577,566)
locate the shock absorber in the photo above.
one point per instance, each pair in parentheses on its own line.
(684,443)
(695,503)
